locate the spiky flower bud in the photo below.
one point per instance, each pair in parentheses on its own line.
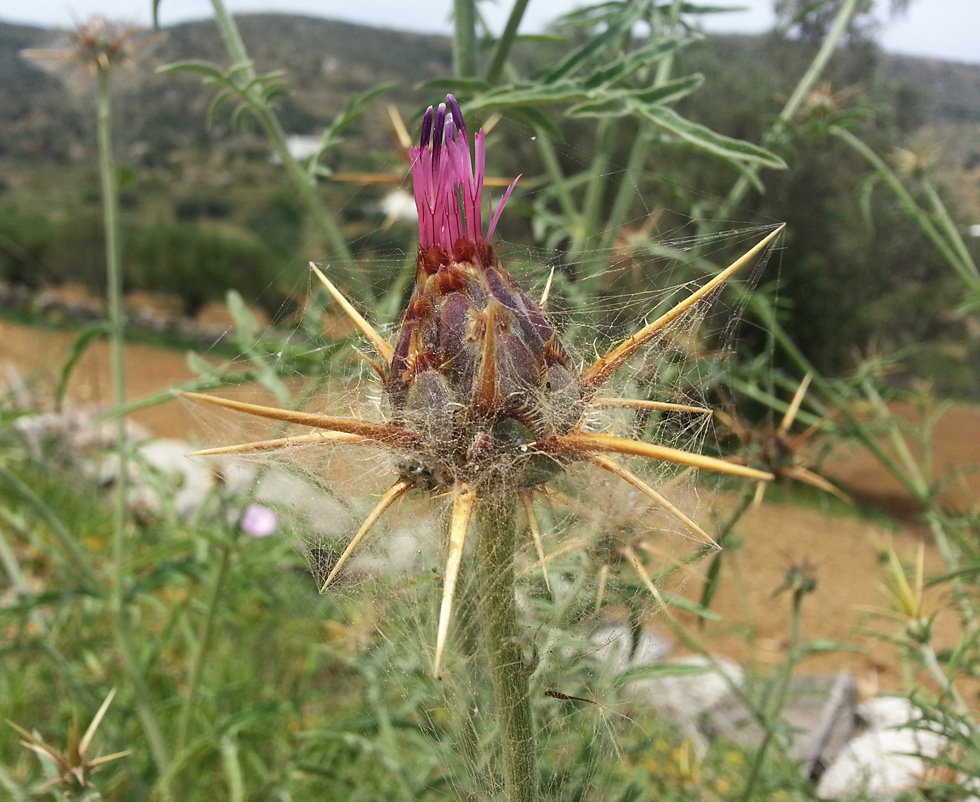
(478,370)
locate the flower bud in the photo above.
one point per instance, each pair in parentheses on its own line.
(477,368)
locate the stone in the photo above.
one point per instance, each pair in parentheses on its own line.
(891,756)
(818,717)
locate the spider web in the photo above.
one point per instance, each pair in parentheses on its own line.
(604,541)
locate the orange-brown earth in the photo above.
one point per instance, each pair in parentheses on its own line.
(844,549)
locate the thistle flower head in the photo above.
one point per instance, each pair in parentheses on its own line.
(477,369)
(73,766)
(483,398)
(95,46)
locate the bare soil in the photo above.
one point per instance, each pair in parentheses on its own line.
(845,550)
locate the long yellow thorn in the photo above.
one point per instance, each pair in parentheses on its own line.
(608,364)
(656,406)
(329,438)
(581,441)
(382,432)
(641,572)
(384,349)
(532,521)
(794,407)
(643,487)
(460,524)
(395,492)
(546,292)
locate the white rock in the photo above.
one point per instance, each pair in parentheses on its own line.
(890,757)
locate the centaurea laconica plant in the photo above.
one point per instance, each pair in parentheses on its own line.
(485,405)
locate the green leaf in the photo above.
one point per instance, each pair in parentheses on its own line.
(664,670)
(199,365)
(239,118)
(617,28)
(246,326)
(215,105)
(622,103)
(82,342)
(645,56)
(352,110)
(824,645)
(532,94)
(472,86)
(205,69)
(707,140)
(692,607)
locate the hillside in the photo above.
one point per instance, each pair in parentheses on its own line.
(44,123)
(207,208)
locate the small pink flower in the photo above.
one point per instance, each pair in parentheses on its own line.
(258,521)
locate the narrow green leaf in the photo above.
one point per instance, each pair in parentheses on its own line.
(595,45)
(216,103)
(645,56)
(464,86)
(692,607)
(707,140)
(664,670)
(203,68)
(532,94)
(246,326)
(78,348)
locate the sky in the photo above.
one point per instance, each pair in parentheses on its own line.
(947,29)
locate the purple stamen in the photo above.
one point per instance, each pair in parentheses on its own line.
(448,181)
(457,113)
(426,127)
(439,127)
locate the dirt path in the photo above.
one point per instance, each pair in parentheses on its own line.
(844,550)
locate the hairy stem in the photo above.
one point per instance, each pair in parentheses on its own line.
(778,130)
(332,235)
(110,206)
(203,642)
(495,560)
(780,692)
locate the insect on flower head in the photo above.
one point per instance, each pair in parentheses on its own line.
(483,397)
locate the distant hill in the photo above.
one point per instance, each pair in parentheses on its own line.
(44,124)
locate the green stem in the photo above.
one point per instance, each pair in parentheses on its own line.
(203,642)
(558,180)
(464,39)
(950,247)
(506,41)
(495,561)
(776,132)
(333,237)
(781,692)
(595,190)
(110,205)
(945,682)
(110,210)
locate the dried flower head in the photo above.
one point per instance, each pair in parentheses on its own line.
(780,452)
(73,766)
(483,398)
(95,46)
